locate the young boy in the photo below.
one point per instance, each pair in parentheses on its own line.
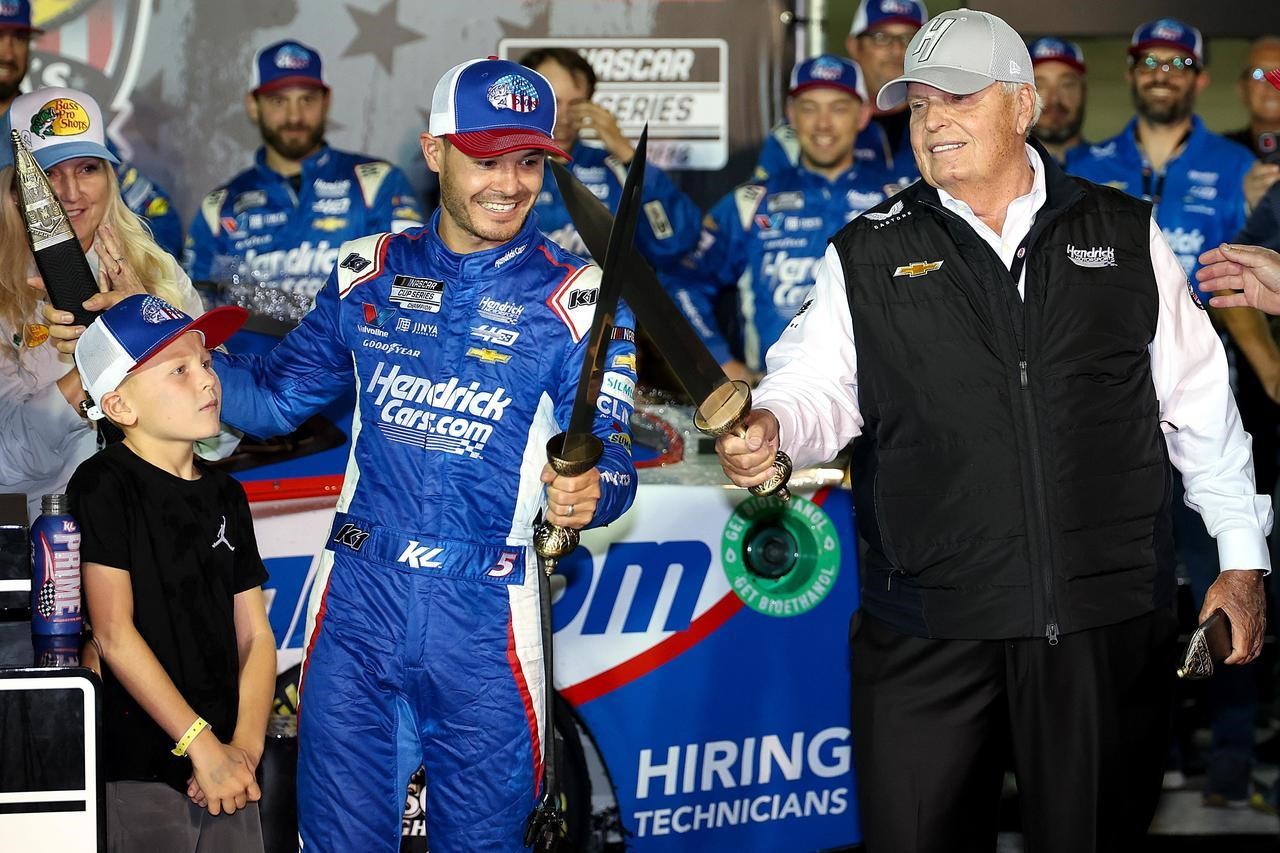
(172,579)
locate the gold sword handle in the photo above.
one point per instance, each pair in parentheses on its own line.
(725,412)
(568,456)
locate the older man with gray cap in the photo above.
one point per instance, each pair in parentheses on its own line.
(1028,360)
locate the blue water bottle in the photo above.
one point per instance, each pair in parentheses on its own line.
(55,569)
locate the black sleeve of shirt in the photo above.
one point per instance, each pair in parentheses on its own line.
(250,571)
(100,507)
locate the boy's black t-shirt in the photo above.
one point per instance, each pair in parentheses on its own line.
(189,548)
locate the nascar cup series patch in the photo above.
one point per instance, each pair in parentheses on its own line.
(781,557)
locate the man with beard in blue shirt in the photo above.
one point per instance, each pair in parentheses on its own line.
(281,221)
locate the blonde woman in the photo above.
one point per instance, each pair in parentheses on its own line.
(45,433)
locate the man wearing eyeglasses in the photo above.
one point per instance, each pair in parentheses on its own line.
(1195,181)
(1193,178)
(877,41)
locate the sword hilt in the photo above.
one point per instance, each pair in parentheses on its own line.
(569,455)
(724,412)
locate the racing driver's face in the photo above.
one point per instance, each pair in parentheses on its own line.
(484,200)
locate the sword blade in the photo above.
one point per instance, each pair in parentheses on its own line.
(694,367)
(615,271)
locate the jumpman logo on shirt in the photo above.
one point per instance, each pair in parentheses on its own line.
(222,536)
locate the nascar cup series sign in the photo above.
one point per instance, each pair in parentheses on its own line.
(679,86)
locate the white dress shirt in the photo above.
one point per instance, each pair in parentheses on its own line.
(812,384)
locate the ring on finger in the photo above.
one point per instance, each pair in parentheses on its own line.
(568,510)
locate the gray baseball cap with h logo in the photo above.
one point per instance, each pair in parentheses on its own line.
(961,52)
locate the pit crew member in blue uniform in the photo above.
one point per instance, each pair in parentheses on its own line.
(877,41)
(669,227)
(1193,177)
(464,339)
(284,219)
(1195,181)
(767,238)
(1060,80)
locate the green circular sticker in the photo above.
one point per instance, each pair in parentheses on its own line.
(781,557)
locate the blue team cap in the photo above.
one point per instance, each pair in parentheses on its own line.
(874,13)
(831,72)
(1168,32)
(286,63)
(490,107)
(16,15)
(1051,49)
(134,330)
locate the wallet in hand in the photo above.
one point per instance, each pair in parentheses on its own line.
(1210,644)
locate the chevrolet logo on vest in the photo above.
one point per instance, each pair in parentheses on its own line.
(915,269)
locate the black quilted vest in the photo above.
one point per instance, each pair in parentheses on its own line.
(1012,478)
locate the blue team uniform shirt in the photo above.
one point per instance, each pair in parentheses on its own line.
(257,223)
(766,239)
(668,226)
(1198,202)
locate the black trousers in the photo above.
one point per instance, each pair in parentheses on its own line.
(1084,722)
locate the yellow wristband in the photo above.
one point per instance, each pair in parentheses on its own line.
(180,748)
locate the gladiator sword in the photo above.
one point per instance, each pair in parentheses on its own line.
(577,450)
(722,404)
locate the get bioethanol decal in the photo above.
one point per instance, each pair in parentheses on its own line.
(781,557)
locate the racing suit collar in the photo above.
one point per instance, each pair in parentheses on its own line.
(309,163)
(504,259)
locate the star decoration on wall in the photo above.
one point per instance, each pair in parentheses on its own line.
(379,33)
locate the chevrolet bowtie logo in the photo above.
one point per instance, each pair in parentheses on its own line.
(488,356)
(917,268)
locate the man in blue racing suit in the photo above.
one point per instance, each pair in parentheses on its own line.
(766,239)
(877,41)
(464,339)
(668,227)
(282,220)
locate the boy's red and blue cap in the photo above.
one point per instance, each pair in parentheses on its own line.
(831,72)
(134,330)
(1052,49)
(490,107)
(875,13)
(16,15)
(1168,32)
(286,63)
